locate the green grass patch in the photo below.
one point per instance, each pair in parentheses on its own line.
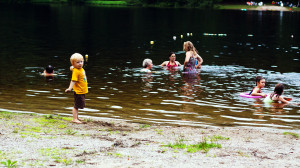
(144,126)
(50,122)
(204,145)
(9,163)
(158,131)
(3,155)
(296,9)
(123,3)
(70,132)
(29,134)
(6,115)
(218,137)
(113,154)
(33,129)
(59,155)
(236,7)
(291,133)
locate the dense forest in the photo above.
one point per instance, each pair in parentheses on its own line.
(150,3)
(155,3)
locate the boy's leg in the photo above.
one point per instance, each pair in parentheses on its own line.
(75,116)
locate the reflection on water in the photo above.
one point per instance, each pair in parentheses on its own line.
(210,98)
(236,47)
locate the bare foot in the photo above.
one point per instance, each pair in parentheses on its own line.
(77,121)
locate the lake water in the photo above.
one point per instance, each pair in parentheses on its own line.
(236,47)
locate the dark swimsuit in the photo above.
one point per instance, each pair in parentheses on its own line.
(253,89)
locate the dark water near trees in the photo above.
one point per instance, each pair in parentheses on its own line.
(117,41)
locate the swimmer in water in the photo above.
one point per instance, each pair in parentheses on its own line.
(260,83)
(276,97)
(171,63)
(147,64)
(49,71)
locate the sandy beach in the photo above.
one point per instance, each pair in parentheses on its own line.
(45,141)
(270,8)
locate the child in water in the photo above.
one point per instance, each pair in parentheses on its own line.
(79,85)
(260,83)
(275,97)
(147,64)
(49,71)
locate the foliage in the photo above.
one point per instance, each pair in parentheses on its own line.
(145,126)
(9,163)
(203,145)
(291,133)
(155,3)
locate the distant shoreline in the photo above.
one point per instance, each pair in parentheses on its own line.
(257,8)
(122,3)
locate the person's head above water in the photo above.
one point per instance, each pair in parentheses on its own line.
(49,69)
(172,56)
(260,81)
(279,89)
(147,63)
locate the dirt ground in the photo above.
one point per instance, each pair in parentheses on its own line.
(53,141)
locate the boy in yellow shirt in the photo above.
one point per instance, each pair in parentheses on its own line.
(79,85)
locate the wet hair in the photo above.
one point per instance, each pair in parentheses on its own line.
(75,57)
(49,69)
(189,46)
(258,79)
(171,53)
(146,62)
(278,90)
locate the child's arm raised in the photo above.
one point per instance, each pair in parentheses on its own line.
(72,83)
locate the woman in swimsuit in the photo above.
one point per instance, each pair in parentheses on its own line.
(172,63)
(191,56)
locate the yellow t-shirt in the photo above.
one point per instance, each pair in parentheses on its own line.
(79,77)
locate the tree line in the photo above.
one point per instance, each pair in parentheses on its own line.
(151,3)
(176,3)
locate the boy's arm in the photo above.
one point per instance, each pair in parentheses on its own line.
(72,83)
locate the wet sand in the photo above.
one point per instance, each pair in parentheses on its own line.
(43,141)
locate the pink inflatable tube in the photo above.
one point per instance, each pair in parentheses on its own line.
(249,96)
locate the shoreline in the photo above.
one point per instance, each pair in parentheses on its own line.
(42,141)
(121,3)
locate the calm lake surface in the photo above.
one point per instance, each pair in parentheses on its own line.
(246,44)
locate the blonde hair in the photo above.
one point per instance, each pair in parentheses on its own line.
(75,57)
(146,62)
(188,46)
